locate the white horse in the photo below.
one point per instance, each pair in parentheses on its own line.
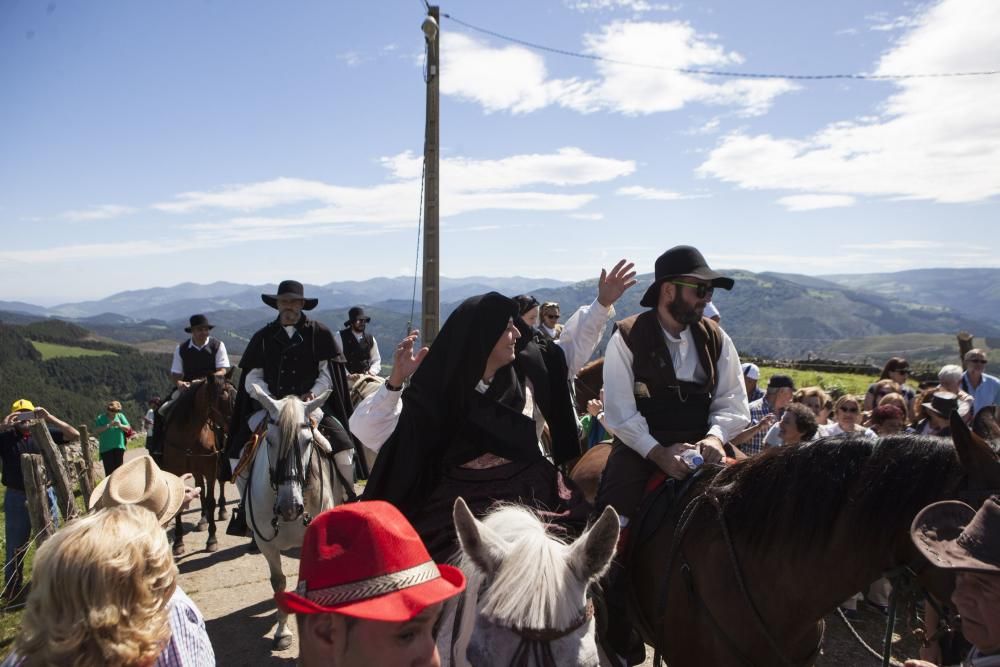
(525,602)
(289,484)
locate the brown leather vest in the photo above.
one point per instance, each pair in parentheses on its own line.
(676,411)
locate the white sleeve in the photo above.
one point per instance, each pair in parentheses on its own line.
(375,367)
(221,357)
(255,376)
(620,412)
(323,379)
(177,366)
(582,333)
(375,418)
(773,437)
(729,412)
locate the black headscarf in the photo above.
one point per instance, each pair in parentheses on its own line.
(444,420)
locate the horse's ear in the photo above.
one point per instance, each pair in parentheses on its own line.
(977,457)
(591,555)
(317,402)
(272,406)
(478,541)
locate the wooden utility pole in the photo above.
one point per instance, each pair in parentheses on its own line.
(88,459)
(430,300)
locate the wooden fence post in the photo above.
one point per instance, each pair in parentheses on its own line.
(88,458)
(86,489)
(56,470)
(965,341)
(36,490)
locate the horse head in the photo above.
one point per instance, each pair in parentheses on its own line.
(532,606)
(290,437)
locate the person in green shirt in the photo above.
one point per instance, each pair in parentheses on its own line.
(111,426)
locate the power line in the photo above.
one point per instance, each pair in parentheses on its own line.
(710,72)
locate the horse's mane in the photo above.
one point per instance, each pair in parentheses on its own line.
(291,417)
(529,588)
(789,498)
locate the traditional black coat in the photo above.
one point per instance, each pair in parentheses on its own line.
(358,352)
(291,366)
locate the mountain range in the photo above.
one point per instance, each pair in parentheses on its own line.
(857,317)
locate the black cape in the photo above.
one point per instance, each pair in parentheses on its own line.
(445,422)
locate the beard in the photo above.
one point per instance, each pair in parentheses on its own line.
(684,313)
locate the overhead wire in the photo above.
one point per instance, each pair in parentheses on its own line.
(861,76)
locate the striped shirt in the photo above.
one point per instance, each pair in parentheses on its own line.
(189,644)
(758,410)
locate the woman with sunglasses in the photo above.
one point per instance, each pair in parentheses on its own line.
(847,418)
(896,369)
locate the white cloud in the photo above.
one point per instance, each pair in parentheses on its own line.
(104,212)
(350,58)
(637,6)
(934,139)
(881,22)
(641,192)
(515,79)
(587,216)
(813,202)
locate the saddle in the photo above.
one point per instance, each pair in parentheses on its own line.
(250,450)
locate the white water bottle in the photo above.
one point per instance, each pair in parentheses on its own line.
(692,458)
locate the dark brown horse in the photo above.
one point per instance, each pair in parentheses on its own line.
(192,444)
(745,567)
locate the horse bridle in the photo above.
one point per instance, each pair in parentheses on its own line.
(280,473)
(535,647)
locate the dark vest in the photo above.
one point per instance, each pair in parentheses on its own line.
(676,411)
(291,365)
(197,363)
(358,353)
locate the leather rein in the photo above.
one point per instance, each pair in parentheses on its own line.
(535,647)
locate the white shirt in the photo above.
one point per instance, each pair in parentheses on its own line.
(374,358)
(375,417)
(221,357)
(728,414)
(833,428)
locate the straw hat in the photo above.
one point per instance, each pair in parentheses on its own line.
(140,482)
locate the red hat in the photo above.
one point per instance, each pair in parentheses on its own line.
(365,560)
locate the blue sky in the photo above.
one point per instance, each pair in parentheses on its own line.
(148,144)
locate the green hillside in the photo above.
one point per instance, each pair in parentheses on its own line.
(77,387)
(57,350)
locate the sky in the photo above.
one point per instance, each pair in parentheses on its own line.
(147,144)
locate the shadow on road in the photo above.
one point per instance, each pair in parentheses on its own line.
(197,558)
(243,637)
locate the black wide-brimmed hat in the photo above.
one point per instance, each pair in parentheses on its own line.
(289,288)
(942,404)
(682,260)
(356,313)
(198,321)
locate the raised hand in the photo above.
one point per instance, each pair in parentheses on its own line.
(404,361)
(612,285)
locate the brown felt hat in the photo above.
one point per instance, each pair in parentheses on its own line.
(954,536)
(942,404)
(141,482)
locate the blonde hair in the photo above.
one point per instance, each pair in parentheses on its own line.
(100,592)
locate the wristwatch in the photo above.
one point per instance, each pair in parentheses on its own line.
(391,387)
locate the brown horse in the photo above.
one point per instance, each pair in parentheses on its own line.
(192,443)
(746,565)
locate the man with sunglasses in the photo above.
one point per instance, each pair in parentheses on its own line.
(985,388)
(672,383)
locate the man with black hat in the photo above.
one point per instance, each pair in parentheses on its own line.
(294,355)
(195,359)
(360,347)
(938,414)
(672,383)
(764,413)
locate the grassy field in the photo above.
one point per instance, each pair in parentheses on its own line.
(832,383)
(55,350)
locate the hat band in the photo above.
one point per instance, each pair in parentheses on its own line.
(373,587)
